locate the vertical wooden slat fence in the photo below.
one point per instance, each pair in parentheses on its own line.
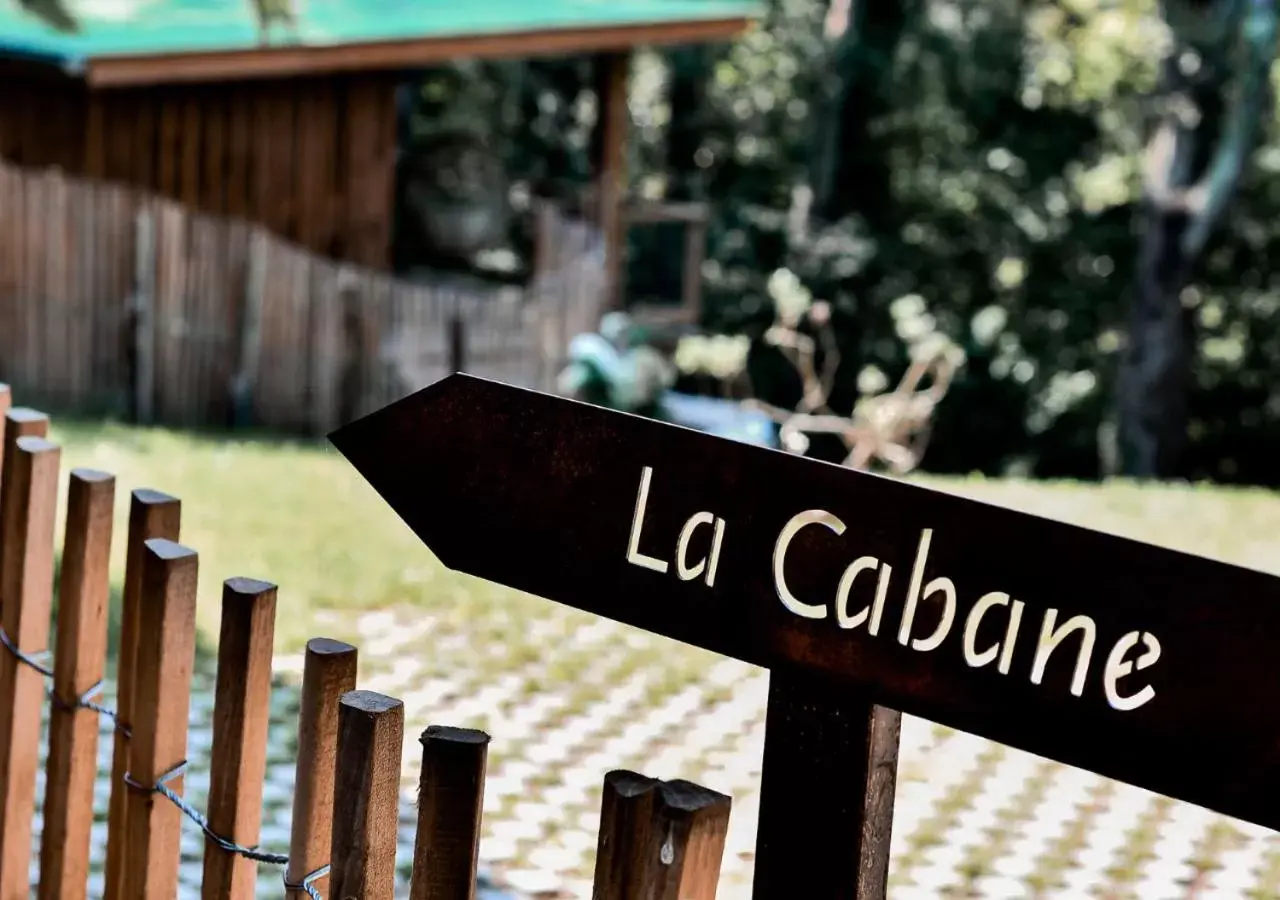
(26,577)
(81,658)
(113,300)
(658,840)
(239,757)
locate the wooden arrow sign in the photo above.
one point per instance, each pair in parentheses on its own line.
(1138,663)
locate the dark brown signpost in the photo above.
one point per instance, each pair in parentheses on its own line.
(1138,663)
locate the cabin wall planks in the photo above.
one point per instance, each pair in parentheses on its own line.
(272,152)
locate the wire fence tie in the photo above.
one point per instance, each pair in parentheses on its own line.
(38,662)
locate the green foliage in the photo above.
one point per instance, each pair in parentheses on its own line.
(979,158)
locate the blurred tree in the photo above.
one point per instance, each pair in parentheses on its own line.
(1200,144)
(53,13)
(57,15)
(273,12)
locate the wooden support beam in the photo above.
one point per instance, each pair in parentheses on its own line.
(609,164)
(830,756)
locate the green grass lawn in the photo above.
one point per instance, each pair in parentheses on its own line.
(299,516)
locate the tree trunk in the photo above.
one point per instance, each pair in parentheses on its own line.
(1156,369)
(1196,156)
(851,170)
(692,68)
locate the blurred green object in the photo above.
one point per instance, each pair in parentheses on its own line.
(616,368)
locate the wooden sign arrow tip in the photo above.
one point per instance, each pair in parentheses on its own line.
(418,452)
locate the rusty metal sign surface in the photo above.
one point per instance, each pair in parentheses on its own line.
(1136,662)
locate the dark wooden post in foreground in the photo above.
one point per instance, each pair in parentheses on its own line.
(152,515)
(659,841)
(162,703)
(450,799)
(242,708)
(328,672)
(79,663)
(831,759)
(27,512)
(366,796)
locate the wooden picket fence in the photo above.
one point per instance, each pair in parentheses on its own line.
(115,300)
(657,839)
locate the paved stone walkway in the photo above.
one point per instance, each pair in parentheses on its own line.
(277,793)
(973,819)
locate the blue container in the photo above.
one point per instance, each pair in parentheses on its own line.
(723,418)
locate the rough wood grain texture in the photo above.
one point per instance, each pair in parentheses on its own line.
(162,702)
(659,840)
(830,757)
(691,825)
(242,709)
(79,666)
(152,515)
(366,796)
(626,825)
(450,798)
(27,513)
(329,671)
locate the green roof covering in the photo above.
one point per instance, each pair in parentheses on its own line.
(114,28)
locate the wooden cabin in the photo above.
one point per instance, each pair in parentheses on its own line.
(181,97)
